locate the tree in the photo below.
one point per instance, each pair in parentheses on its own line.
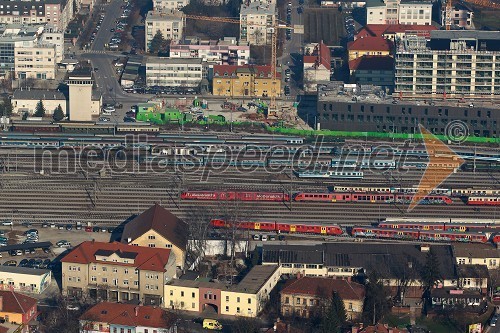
(245,325)
(334,316)
(58,113)
(40,109)
(430,272)
(6,107)
(157,42)
(26,115)
(377,300)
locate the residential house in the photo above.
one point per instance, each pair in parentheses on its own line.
(375,70)
(247,80)
(119,318)
(473,277)
(303,296)
(158,228)
(317,66)
(19,309)
(393,31)
(118,272)
(399,11)
(477,254)
(448,298)
(27,100)
(170,24)
(256,18)
(366,46)
(23,279)
(246,299)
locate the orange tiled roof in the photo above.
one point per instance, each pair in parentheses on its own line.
(316,285)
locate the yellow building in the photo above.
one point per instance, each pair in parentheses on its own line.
(246,80)
(369,46)
(245,299)
(303,296)
(157,227)
(17,309)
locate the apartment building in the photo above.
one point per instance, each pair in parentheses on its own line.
(415,12)
(461,16)
(301,297)
(118,272)
(256,18)
(30,51)
(169,5)
(222,52)
(174,72)
(18,309)
(159,228)
(255,81)
(108,317)
(170,24)
(477,254)
(452,63)
(56,12)
(375,70)
(37,62)
(245,299)
(393,31)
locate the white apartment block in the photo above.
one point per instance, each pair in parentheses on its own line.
(170,24)
(458,63)
(256,18)
(169,5)
(415,12)
(169,72)
(52,36)
(221,53)
(37,62)
(399,12)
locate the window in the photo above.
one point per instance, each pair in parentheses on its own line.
(237,300)
(298,300)
(171,293)
(115,270)
(238,310)
(93,279)
(227,298)
(151,237)
(125,282)
(104,280)
(192,295)
(287,300)
(104,269)
(249,301)
(182,294)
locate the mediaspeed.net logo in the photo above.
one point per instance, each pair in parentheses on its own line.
(443,161)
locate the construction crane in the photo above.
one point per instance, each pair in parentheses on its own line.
(274,30)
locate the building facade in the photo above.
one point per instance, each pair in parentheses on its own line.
(118,272)
(370,46)
(256,18)
(84,104)
(174,72)
(461,16)
(25,280)
(220,53)
(158,228)
(169,5)
(308,294)
(170,24)
(245,299)
(27,100)
(108,317)
(374,70)
(18,309)
(415,12)
(255,81)
(452,63)
(477,254)
(38,62)
(317,66)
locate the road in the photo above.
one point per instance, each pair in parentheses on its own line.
(112,13)
(293,47)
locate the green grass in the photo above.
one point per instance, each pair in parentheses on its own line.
(433,325)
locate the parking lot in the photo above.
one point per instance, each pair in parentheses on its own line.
(54,234)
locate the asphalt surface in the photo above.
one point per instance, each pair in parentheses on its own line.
(291,47)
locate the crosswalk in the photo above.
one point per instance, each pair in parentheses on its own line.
(95,52)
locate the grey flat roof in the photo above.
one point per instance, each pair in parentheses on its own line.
(257,7)
(161,60)
(465,34)
(24,270)
(26,246)
(255,279)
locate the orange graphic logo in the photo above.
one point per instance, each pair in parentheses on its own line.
(442,163)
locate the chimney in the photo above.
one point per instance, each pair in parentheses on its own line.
(136,309)
(1,303)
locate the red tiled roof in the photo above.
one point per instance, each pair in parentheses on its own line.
(4,329)
(370,44)
(258,71)
(324,287)
(380,328)
(321,55)
(379,30)
(147,258)
(380,63)
(160,220)
(16,303)
(129,315)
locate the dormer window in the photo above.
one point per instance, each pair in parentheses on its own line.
(225,74)
(261,74)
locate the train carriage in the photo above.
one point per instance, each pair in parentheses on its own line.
(235,195)
(484,201)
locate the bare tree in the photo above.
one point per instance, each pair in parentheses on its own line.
(199,218)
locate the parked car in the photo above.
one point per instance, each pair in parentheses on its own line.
(46,250)
(23,263)
(63,243)
(7,223)
(12,263)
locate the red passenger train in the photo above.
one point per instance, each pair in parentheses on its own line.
(462,227)
(234,196)
(332,230)
(370,197)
